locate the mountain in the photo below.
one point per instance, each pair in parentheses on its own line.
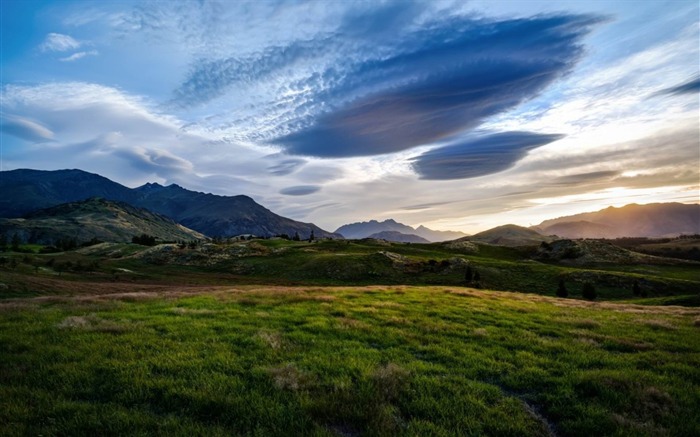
(652,220)
(437,236)
(366,229)
(225,216)
(398,237)
(25,191)
(579,229)
(508,235)
(94,218)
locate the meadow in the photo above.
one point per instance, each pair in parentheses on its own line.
(137,347)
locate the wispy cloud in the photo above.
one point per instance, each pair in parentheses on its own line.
(25,129)
(286,166)
(690,87)
(57,42)
(79,55)
(301,190)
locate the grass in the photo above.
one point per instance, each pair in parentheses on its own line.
(348,361)
(333,262)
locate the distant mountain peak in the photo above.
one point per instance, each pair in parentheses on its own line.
(366,229)
(633,220)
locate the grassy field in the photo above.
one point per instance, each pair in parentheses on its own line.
(344,361)
(332,263)
(343,338)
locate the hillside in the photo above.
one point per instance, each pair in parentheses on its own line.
(367,229)
(508,235)
(25,191)
(94,218)
(583,252)
(398,237)
(652,220)
(580,229)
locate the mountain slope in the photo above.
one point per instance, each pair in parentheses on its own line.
(508,235)
(366,229)
(437,236)
(652,220)
(398,237)
(94,218)
(28,190)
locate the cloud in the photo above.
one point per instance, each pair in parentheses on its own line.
(286,166)
(78,55)
(579,178)
(478,156)
(25,129)
(301,190)
(423,206)
(57,42)
(443,83)
(690,87)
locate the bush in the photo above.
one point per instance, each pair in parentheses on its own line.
(589,291)
(144,240)
(561,290)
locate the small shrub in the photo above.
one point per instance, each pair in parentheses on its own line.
(635,289)
(561,290)
(589,291)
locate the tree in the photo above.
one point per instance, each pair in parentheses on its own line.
(296,236)
(3,242)
(468,275)
(636,290)
(561,290)
(589,291)
(144,240)
(14,244)
(477,279)
(312,237)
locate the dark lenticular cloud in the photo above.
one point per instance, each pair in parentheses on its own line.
(478,156)
(300,190)
(445,82)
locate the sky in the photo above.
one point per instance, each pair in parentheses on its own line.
(456,115)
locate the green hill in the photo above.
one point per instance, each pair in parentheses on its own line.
(97,219)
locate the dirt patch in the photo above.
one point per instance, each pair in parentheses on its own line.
(195,311)
(348,322)
(288,377)
(272,339)
(390,380)
(480,332)
(658,324)
(92,323)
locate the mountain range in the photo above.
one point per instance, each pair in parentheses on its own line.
(94,218)
(25,191)
(651,220)
(368,229)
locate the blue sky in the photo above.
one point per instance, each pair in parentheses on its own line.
(452,114)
